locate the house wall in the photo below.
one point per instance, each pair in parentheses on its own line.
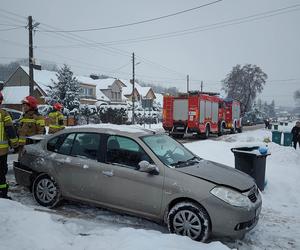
(114,93)
(150,95)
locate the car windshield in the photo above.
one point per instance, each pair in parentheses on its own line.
(169,151)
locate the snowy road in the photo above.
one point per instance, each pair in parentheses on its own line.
(278,228)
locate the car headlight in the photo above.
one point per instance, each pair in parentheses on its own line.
(231,196)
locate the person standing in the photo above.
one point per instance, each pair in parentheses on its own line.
(56,119)
(31,122)
(8,137)
(296,134)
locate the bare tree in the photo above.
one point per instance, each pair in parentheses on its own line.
(243,83)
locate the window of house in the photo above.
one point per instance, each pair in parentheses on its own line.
(86,145)
(125,151)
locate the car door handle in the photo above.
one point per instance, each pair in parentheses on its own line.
(108,173)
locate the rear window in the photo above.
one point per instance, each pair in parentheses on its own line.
(86,145)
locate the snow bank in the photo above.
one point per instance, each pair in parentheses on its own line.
(279,224)
(24,228)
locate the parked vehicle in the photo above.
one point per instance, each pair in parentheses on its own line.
(175,115)
(139,172)
(233,119)
(200,113)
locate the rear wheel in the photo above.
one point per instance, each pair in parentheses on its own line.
(221,130)
(206,134)
(233,130)
(46,191)
(240,129)
(189,219)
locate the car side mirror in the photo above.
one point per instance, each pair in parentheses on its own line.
(145,166)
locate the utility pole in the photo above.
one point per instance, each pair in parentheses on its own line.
(30,62)
(201,86)
(133,87)
(187,83)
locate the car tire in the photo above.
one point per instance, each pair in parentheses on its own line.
(189,219)
(46,191)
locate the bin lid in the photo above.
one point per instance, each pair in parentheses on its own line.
(255,151)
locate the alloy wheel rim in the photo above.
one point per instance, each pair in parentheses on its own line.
(46,190)
(187,223)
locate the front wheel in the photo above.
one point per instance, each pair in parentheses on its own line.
(46,191)
(189,219)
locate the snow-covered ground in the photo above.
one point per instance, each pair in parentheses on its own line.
(25,225)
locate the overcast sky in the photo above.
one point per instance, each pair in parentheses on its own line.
(207,54)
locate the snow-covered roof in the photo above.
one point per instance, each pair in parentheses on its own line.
(14,95)
(43,78)
(105,83)
(143,91)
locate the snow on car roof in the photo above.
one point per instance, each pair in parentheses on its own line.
(122,128)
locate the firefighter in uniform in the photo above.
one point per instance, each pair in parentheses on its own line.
(8,137)
(56,119)
(31,123)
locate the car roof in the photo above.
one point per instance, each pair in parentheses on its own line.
(13,110)
(125,130)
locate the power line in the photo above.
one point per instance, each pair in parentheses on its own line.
(218,25)
(136,23)
(107,48)
(15,28)
(213,26)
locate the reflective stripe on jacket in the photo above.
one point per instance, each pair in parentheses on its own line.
(8,135)
(31,124)
(56,121)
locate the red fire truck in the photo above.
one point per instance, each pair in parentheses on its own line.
(200,113)
(203,114)
(175,115)
(233,119)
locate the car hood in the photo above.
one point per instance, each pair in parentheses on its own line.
(219,174)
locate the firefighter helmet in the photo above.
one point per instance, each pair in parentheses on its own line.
(30,101)
(57,106)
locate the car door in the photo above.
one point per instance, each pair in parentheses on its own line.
(125,187)
(77,166)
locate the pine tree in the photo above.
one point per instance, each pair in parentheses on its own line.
(65,90)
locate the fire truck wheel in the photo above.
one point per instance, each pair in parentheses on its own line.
(221,130)
(240,130)
(206,135)
(233,130)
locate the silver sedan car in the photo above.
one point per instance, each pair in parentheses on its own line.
(139,172)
